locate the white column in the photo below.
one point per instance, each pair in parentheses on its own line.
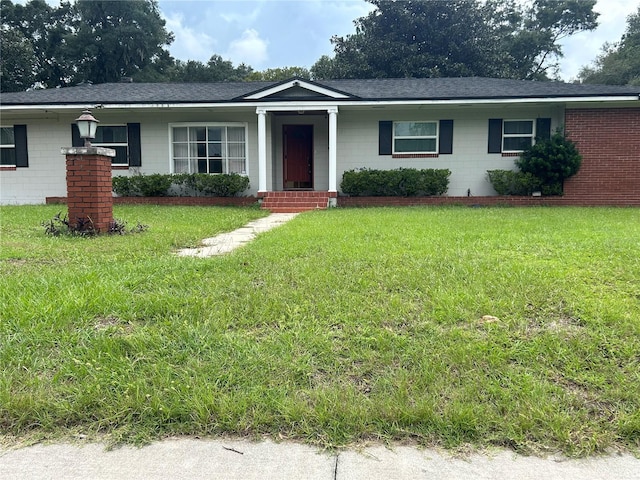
(333,145)
(262,150)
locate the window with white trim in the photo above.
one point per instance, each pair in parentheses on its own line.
(116,138)
(517,135)
(7,147)
(415,137)
(209,148)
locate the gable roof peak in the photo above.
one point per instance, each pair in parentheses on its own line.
(301,85)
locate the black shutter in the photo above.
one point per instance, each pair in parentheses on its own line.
(495,135)
(20,139)
(445,146)
(543,129)
(385,137)
(76,141)
(135,148)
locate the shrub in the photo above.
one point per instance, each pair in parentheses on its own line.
(155,185)
(552,161)
(510,182)
(123,186)
(194,184)
(544,167)
(229,185)
(401,182)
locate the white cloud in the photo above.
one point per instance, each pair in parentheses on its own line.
(249,49)
(241,18)
(583,48)
(189,44)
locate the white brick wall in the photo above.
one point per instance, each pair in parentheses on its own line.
(46,174)
(357,145)
(358,142)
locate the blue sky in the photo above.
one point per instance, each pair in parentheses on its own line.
(260,33)
(278,33)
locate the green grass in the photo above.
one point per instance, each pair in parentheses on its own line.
(337,327)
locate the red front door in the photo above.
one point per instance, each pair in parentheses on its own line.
(298,156)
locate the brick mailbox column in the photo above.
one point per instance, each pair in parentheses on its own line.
(89,197)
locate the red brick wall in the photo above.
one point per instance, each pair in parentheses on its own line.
(609,141)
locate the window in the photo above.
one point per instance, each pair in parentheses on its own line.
(114,137)
(510,137)
(124,139)
(209,148)
(13,147)
(415,137)
(7,147)
(517,135)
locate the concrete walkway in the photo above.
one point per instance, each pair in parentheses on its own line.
(241,459)
(227,242)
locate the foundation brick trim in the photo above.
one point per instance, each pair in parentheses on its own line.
(184,201)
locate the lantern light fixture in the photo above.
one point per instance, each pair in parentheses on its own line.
(87,125)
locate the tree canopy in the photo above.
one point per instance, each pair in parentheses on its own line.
(277,74)
(16,57)
(47,30)
(619,64)
(105,40)
(117,39)
(216,69)
(431,38)
(87,41)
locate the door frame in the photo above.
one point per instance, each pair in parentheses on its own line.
(285,159)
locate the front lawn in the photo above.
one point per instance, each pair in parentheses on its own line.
(449,326)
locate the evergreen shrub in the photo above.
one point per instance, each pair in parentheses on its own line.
(401,182)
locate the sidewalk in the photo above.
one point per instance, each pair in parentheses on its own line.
(227,242)
(242,459)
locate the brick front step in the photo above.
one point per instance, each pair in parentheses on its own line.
(289,209)
(289,203)
(293,202)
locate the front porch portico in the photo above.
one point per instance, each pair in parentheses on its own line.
(269,133)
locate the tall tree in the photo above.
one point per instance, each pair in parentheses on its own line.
(90,40)
(118,39)
(46,29)
(16,62)
(619,64)
(431,38)
(544,25)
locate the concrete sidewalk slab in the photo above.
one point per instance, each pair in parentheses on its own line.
(227,242)
(170,459)
(267,460)
(403,462)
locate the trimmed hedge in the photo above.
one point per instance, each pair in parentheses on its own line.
(401,182)
(155,185)
(181,185)
(220,185)
(510,182)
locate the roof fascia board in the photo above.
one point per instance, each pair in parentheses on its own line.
(286,108)
(295,105)
(296,83)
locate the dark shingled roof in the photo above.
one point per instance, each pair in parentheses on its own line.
(127,93)
(467,88)
(471,88)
